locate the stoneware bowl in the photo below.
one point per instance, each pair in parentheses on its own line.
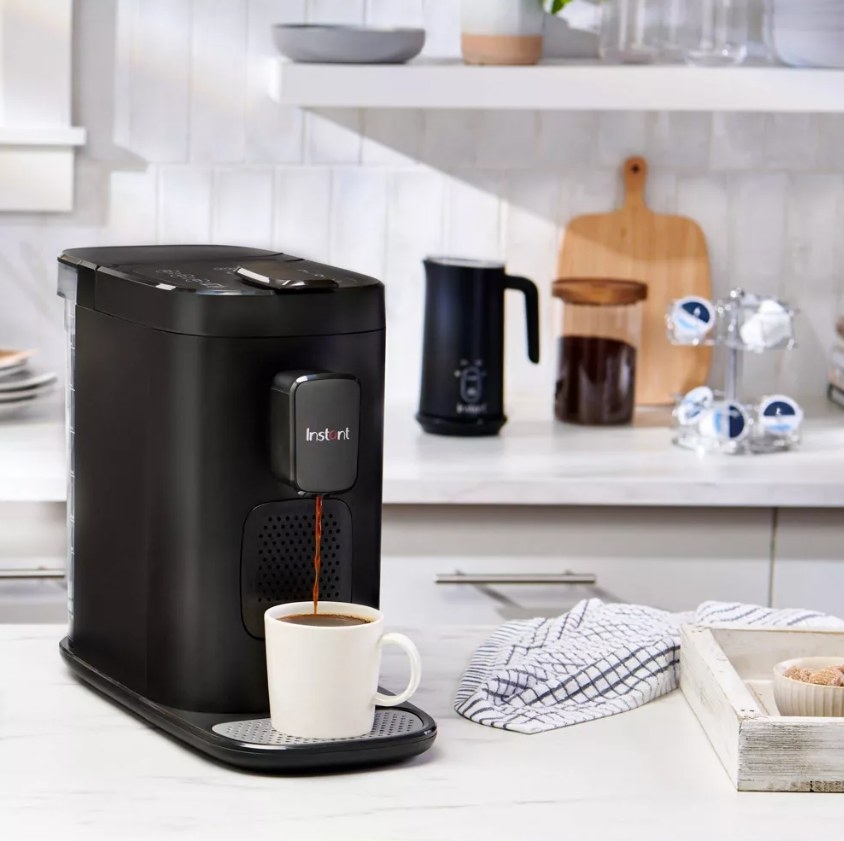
(794,697)
(347,44)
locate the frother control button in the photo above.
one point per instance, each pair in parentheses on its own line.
(471,385)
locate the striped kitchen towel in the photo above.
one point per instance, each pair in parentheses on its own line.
(596,660)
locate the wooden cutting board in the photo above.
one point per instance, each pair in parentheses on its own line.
(669,254)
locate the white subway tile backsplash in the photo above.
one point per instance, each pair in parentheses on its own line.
(359,210)
(414,231)
(302,215)
(622,134)
(473,214)
(566,139)
(332,11)
(831,142)
(804,370)
(442,25)
(132,208)
(680,140)
(273,134)
(589,191)
(333,136)
(160,85)
(184,204)
(451,138)
(793,142)
(705,198)
(392,137)
(757,230)
(218,81)
(507,139)
(815,203)
(738,140)
(395,13)
(532,241)
(243,206)
(661,191)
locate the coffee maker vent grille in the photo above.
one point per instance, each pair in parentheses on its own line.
(259,731)
(277,562)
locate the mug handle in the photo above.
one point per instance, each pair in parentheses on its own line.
(412,652)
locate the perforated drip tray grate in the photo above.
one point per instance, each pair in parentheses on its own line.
(251,744)
(259,731)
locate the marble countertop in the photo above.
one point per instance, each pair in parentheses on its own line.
(74,766)
(535,461)
(538,461)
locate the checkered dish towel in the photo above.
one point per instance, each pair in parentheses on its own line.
(596,660)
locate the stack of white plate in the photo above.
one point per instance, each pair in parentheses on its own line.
(21,388)
(809,33)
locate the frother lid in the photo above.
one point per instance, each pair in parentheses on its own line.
(225,291)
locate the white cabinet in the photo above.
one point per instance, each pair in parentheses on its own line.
(669,558)
(809,565)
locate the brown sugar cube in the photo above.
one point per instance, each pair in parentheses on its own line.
(798,673)
(827,677)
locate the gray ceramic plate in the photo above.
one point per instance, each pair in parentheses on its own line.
(347,44)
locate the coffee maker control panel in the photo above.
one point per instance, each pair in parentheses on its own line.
(315,420)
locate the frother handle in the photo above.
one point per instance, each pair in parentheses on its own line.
(522,284)
(406,644)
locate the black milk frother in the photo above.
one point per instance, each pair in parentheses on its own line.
(462,389)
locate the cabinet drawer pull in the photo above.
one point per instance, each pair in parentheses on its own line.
(505,578)
(31,573)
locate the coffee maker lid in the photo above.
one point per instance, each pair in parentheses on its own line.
(213,290)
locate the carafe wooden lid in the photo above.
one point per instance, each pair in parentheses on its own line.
(596,291)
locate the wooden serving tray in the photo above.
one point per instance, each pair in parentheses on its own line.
(726,678)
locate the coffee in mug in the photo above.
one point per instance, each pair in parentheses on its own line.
(323,668)
(324,620)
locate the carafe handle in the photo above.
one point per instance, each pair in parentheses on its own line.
(522,284)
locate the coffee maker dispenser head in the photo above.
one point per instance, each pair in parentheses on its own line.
(314,420)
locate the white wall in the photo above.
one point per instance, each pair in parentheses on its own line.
(185,146)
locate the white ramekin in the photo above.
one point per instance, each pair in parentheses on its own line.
(794,697)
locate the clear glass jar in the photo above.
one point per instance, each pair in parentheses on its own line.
(718,32)
(674,31)
(630,31)
(597,348)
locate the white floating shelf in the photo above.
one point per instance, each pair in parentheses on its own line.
(557,86)
(41,136)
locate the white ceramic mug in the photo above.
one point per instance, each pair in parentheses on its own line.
(323,681)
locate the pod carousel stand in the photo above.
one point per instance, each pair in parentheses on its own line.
(250,743)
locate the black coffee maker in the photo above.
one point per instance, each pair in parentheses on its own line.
(204,386)
(463,353)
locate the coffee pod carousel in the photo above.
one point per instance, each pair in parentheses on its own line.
(718,420)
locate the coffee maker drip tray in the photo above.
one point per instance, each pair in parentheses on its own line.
(259,731)
(250,743)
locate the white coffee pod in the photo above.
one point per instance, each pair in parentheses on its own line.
(725,421)
(768,327)
(780,416)
(691,318)
(693,405)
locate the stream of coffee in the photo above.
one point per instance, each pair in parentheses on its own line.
(317,547)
